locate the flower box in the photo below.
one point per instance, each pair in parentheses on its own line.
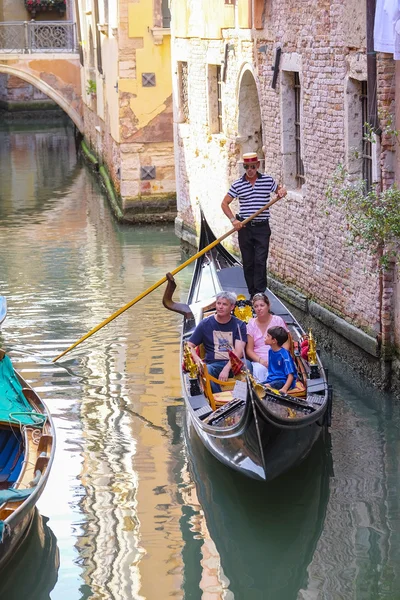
(35,6)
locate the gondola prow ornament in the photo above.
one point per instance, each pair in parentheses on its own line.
(192,369)
(312,356)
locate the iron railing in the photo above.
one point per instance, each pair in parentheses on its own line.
(26,37)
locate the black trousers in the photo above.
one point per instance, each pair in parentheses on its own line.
(254,246)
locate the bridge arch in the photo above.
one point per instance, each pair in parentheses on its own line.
(60,84)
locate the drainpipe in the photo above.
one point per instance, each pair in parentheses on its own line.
(384,337)
(371,66)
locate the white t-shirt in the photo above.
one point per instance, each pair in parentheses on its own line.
(387,27)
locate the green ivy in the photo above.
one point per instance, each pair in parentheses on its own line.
(373,218)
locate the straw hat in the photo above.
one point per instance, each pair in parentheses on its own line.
(250,157)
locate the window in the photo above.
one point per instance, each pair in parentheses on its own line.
(293,167)
(183,91)
(366,144)
(299,161)
(166,14)
(362,156)
(214,84)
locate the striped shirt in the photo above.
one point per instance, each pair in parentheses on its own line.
(252,198)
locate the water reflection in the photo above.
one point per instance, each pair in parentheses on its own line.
(32,573)
(265,535)
(356,554)
(47,160)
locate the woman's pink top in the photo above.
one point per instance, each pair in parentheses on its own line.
(260,347)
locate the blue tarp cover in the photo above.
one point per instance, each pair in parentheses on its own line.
(12,495)
(14,407)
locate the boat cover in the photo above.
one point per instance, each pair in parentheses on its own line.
(14,407)
(13,495)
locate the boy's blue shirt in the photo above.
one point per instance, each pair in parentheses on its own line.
(280,365)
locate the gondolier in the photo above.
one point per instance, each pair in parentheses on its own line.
(253,191)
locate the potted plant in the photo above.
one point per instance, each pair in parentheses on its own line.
(91,87)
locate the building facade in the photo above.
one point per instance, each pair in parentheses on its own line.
(127,93)
(295,84)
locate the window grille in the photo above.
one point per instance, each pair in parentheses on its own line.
(366,144)
(219,97)
(299,161)
(184,95)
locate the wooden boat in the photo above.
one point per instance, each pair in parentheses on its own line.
(3,308)
(251,428)
(27,446)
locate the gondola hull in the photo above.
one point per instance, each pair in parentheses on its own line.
(27,447)
(260,437)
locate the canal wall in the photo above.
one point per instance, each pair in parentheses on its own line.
(149,212)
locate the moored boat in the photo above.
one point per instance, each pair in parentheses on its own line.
(27,446)
(249,427)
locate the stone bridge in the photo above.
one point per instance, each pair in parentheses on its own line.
(45,55)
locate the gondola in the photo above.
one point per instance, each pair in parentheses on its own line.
(3,308)
(27,446)
(252,429)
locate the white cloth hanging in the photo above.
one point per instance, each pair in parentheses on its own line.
(387,27)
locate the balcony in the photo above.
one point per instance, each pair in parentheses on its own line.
(28,37)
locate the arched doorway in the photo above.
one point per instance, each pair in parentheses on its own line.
(249,119)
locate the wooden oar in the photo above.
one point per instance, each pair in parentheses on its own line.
(163,280)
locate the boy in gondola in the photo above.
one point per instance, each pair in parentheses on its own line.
(282,373)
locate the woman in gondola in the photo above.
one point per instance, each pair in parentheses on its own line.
(256,349)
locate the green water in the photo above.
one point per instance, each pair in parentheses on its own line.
(137,511)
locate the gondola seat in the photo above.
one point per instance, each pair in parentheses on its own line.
(218,398)
(299,391)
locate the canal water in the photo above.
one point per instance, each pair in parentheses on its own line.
(131,510)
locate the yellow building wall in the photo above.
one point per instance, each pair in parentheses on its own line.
(151,58)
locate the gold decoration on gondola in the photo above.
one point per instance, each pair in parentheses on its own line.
(312,356)
(188,362)
(312,349)
(291,414)
(243,309)
(257,387)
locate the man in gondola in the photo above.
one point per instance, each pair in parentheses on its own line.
(253,191)
(219,333)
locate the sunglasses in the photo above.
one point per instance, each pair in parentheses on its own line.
(249,167)
(260,296)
